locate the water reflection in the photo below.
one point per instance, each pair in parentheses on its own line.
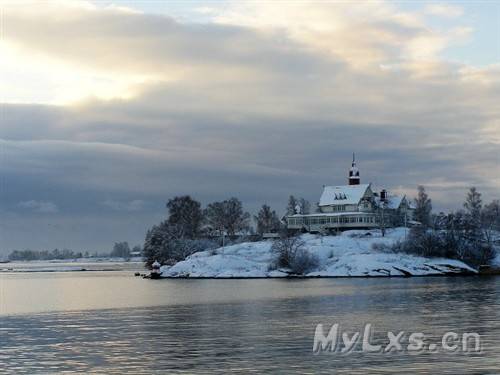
(252,326)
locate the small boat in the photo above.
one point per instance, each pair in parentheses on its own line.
(155,270)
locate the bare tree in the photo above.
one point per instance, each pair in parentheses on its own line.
(423,208)
(290,252)
(267,220)
(227,216)
(292,203)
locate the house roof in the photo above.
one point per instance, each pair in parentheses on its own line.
(340,195)
(393,201)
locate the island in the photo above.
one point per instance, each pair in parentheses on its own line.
(354,253)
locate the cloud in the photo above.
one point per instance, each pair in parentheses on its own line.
(262,102)
(45,207)
(444,10)
(134,205)
(362,34)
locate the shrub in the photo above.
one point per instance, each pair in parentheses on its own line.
(165,244)
(290,253)
(447,244)
(303,262)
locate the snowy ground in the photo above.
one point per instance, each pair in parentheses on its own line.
(68,265)
(349,254)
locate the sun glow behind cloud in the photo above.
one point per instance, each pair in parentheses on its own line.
(29,77)
(34,76)
(366,35)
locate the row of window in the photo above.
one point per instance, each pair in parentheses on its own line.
(331,220)
(338,208)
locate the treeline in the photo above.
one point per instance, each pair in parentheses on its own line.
(17,255)
(468,234)
(120,249)
(190,228)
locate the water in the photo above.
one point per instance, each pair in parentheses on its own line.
(115,323)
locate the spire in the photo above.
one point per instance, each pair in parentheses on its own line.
(354,172)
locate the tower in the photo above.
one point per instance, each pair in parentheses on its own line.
(353,172)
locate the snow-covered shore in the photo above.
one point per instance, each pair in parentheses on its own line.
(348,254)
(73,265)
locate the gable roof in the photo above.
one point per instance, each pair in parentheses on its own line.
(340,195)
(393,201)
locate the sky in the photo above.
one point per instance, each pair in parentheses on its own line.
(110,108)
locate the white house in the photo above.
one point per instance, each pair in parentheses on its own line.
(352,206)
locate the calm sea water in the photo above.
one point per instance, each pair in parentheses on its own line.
(115,323)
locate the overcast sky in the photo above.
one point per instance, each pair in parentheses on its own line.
(111,108)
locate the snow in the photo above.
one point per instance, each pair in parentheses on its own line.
(345,194)
(73,265)
(348,254)
(392,201)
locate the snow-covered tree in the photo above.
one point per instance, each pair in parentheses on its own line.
(305,206)
(185,213)
(290,252)
(166,244)
(423,208)
(267,220)
(215,216)
(490,220)
(473,208)
(121,249)
(473,204)
(292,203)
(382,217)
(227,216)
(137,249)
(465,234)
(491,214)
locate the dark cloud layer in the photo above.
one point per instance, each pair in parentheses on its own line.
(229,111)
